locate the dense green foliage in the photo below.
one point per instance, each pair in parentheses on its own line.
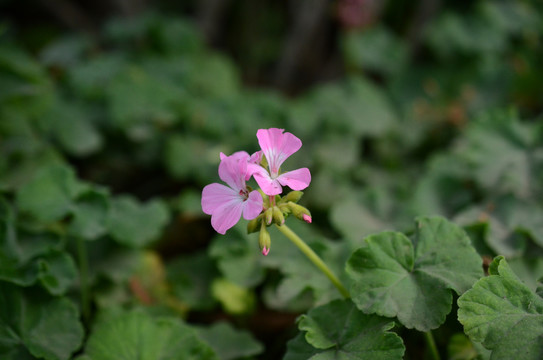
(106,144)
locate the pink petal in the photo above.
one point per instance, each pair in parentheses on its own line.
(266,183)
(297,179)
(215,195)
(256,158)
(227,215)
(233,168)
(253,205)
(265,251)
(277,146)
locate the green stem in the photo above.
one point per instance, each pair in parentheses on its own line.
(84,278)
(315,259)
(432,345)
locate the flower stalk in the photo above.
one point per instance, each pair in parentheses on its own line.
(315,259)
(84,278)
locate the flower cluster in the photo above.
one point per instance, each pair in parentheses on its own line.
(226,204)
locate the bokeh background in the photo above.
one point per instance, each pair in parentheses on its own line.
(404,108)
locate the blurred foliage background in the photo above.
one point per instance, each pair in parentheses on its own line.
(113,113)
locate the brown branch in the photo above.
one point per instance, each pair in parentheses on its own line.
(210,14)
(309,14)
(71,15)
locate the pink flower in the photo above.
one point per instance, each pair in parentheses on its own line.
(277,147)
(226,204)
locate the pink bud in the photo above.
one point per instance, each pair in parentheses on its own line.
(307,218)
(265,251)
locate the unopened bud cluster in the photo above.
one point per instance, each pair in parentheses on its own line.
(276,210)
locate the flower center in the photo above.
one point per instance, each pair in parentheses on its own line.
(244,194)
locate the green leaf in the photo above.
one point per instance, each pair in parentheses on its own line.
(134,224)
(90,77)
(461,348)
(228,342)
(355,106)
(140,103)
(453,34)
(376,49)
(219,81)
(443,190)
(189,156)
(238,257)
(539,288)
(178,36)
(19,244)
(509,221)
(32,321)
(89,215)
(355,220)
(69,124)
(501,136)
(504,314)
(28,256)
(136,335)
(29,78)
(339,330)
(528,269)
(57,272)
(234,299)
(65,51)
(191,277)
(394,276)
(14,272)
(338,152)
(19,166)
(49,195)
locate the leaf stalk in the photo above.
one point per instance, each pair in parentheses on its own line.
(431,345)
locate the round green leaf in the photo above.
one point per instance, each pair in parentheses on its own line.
(70,125)
(26,257)
(228,342)
(504,314)
(499,135)
(393,276)
(31,321)
(338,330)
(136,335)
(48,196)
(57,272)
(134,224)
(89,215)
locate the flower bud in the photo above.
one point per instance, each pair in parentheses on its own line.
(278,217)
(252,226)
(293,196)
(264,240)
(300,212)
(268,214)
